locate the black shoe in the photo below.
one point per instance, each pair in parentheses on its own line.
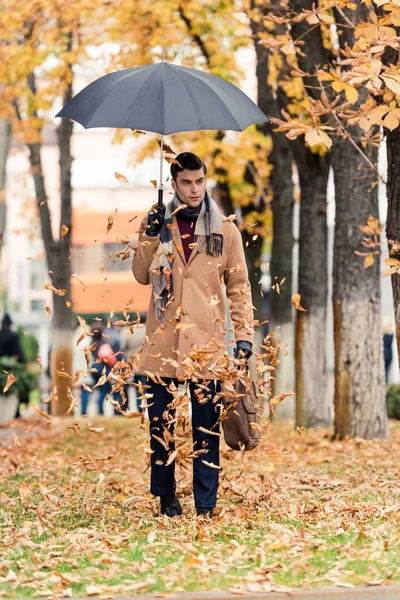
(205,512)
(170,505)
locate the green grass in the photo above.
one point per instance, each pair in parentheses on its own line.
(75,512)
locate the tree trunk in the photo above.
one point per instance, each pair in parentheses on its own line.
(58,260)
(281,159)
(360,408)
(313,408)
(393,217)
(5,135)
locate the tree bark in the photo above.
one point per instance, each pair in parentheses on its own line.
(313,407)
(393,217)
(5,135)
(360,407)
(58,260)
(281,159)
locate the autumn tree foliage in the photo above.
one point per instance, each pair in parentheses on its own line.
(41,42)
(349,101)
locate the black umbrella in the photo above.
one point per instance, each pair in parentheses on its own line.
(163,98)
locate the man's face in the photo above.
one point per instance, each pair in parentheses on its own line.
(190,187)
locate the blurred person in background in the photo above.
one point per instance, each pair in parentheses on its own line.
(388,334)
(105,357)
(133,346)
(11,346)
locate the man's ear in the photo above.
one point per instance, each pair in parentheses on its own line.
(173,184)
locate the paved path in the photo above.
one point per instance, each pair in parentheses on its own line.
(381,592)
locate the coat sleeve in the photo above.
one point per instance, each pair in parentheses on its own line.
(238,289)
(144,254)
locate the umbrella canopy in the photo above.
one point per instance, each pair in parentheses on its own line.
(163,98)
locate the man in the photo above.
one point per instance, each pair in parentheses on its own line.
(188,251)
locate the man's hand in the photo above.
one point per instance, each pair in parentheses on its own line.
(155,220)
(243,349)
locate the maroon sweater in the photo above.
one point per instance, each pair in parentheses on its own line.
(186,228)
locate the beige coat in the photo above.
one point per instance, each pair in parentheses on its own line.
(194,336)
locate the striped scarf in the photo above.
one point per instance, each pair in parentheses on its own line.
(208,230)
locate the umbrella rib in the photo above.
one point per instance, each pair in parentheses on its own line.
(154,73)
(190,96)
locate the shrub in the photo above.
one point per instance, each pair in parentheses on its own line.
(393,401)
(25,380)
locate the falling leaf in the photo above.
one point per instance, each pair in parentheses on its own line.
(166,148)
(41,413)
(214,300)
(153,182)
(110,223)
(59,292)
(180,207)
(64,231)
(75,276)
(296,299)
(39,361)
(68,304)
(121,178)
(48,310)
(172,161)
(208,464)
(10,380)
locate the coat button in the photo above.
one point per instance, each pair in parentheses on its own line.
(187,276)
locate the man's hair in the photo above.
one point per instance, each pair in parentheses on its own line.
(187,160)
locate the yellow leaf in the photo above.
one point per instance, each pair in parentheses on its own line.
(296,299)
(121,178)
(172,161)
(48,310)
(153,182)
(110,223)
(351,93)
(48,286)
(390,121)
(368,261)
(392,262)
(392,84)
(64,231)
(10,380)
(317,136)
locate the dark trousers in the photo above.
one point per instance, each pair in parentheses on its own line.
(205,415)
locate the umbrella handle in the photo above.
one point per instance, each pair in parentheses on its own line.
(160,183)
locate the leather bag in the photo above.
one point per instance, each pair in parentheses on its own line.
(240,413)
